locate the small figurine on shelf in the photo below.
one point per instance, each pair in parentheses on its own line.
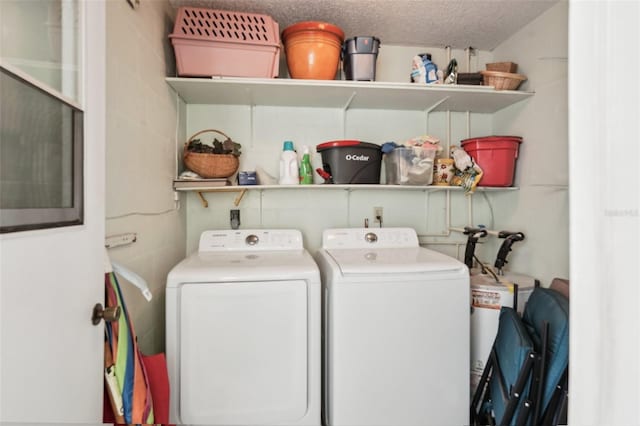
(468,173)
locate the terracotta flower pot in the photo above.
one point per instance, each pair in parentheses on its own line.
(313,50)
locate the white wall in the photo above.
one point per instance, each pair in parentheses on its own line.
(142,123)
(540,208)
(605,218)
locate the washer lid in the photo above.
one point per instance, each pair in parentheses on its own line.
(392,261)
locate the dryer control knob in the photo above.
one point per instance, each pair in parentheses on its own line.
(252,239)
(370,237)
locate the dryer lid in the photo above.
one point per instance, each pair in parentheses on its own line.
(393,261)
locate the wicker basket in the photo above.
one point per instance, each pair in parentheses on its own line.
(502,80)
(210,166)
(502,66)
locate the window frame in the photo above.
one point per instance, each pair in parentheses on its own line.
(25,219)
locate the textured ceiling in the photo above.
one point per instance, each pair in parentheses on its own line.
(482,24)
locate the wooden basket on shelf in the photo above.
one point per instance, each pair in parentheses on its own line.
(208,165)
(502,80)
(502,66)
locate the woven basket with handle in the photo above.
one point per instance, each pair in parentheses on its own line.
(210,165)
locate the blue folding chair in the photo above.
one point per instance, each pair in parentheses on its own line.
(548,308)
(525,378)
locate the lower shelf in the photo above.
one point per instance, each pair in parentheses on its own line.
(194,186)
(179,185)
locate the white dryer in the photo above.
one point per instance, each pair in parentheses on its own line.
(396,324)
(243,331)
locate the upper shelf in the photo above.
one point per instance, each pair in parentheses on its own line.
(344,94)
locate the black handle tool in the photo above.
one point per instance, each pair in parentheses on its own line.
(505,248)
(474,235)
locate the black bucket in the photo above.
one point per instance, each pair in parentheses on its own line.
(351,161)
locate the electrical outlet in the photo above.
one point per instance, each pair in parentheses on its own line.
(377,215)
(234,218)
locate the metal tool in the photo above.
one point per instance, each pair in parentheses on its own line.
(505,248)
(474,235)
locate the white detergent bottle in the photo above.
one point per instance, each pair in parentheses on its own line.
(289,172)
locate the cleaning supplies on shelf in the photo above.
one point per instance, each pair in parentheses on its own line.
(452,72)
(306,170)
(289,174)
(423,70)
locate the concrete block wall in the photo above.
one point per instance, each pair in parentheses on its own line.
(143,119)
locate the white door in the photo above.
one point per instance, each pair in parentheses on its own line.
(51,356)
(604,136)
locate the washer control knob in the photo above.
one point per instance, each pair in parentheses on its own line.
(252,239)
(370,237)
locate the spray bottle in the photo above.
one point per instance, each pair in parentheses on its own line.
(306,171)
(289,165)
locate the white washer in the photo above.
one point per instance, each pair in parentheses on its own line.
(243,331)
(396,323)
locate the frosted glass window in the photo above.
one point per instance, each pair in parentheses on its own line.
(40,37)
(41,143)
(41,125)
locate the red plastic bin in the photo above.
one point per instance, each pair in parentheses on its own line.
(209,42)
(496,156)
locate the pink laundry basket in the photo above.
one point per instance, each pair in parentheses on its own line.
(210,42)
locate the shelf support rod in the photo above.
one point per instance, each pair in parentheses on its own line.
(447,212)
(448,148)
(261,207)
(344,113)
(469,51)
(436,105)
(251,104)
(348,104)
(252,109)
(431,108)
(236,201)
(203,200)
